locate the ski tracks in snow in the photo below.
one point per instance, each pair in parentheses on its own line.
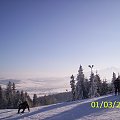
(76,110)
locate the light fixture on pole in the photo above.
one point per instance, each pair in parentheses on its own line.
(91,66)
(92,91)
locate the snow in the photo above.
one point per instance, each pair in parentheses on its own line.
(76,110)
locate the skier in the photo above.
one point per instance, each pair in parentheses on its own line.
(117,85)
(23,106)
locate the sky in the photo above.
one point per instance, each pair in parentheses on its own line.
(51,38)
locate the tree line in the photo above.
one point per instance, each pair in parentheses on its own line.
(82,88)
(11,98)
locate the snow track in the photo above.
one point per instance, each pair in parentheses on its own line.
(76,110)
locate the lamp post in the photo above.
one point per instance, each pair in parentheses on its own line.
(91,67)
(92,91)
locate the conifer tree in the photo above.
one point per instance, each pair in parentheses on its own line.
(3,100)
(98,83)
(72,83)
(93,86)
(17,99)
(9,95)
(112,82)
(13,88)
(80,88)
(9,98)
(1,93)
(86,88)
(13,95)
(35,101)
(1,97)
(104,87)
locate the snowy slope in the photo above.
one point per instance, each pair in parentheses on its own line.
(77,110)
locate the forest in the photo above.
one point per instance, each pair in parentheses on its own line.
(81,88)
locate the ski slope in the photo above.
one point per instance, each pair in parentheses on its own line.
(76,110)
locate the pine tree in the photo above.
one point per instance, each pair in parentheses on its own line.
(93,86)
(104,87)
(1,97)
(112,82)
(1,93)
(3,100)
(35,100)
(86,89)
(13,95)
(72,83)
(9,98)
(17,99)
(9,95)
(98,83)
(13,86)
(80,87)
(114,77)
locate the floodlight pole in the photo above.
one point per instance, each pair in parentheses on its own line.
(91,67)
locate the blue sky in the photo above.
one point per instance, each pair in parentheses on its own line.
(45,38)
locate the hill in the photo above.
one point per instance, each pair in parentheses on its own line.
(76,110)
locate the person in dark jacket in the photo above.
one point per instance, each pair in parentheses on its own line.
(23,106)
(117,86)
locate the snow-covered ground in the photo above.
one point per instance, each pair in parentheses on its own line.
(77,110)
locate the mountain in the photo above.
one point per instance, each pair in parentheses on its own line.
(76,110)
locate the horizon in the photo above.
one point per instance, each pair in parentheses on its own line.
(105,74)
(52,38)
